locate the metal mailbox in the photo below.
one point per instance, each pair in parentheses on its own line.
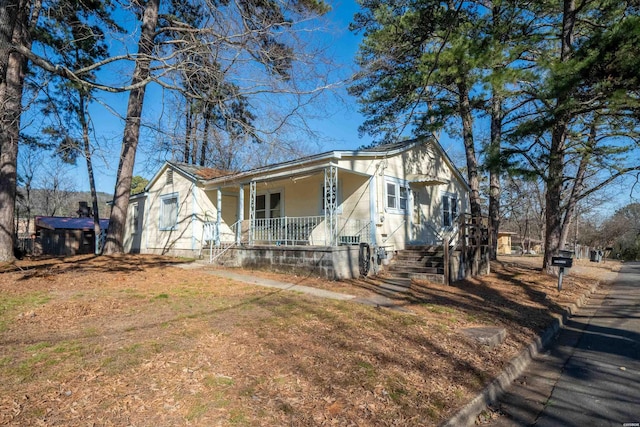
(560,261)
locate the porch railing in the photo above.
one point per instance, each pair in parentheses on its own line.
(211,235)
(302,230)
(353,231)
(288,230)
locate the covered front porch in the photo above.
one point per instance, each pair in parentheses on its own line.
(320,206)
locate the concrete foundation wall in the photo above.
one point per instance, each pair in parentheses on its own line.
(334,263)
(177,252)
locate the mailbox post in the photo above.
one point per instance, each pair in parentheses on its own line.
(562,262)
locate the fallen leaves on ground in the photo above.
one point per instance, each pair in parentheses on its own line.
(134,340)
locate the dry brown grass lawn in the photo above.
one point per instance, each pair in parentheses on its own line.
(134,340)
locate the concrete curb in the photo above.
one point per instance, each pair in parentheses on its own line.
(492,392)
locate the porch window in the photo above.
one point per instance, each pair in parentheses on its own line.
(169,212)
(397,196)
(275,207)
(449,209)
(261,204)
(269,205)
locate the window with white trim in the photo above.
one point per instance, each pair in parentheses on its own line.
(169,211)
(269,205)
(397,196)
(134,217)
(449,209)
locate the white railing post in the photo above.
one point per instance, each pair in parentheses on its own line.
(285,228)
(252,211)
(330,204)
(240,214)
(219,216)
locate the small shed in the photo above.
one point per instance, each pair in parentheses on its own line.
(66,236)
(504,242)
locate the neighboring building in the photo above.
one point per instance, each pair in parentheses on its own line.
(526,245)
(320,207)
(65,236)
(504,242)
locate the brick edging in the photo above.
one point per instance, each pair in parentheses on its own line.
(467,415)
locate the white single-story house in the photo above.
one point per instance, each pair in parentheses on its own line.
(321,209)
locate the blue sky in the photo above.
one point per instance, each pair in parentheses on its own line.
(337,129)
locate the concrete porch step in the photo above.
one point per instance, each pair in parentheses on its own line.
(404,271)
(427,264)
(418,262)
(423,248)
(418,259)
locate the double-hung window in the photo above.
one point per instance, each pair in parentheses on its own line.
(169,211)
(449,209)
(397,196)
(269,205)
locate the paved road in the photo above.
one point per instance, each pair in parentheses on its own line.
(590,375)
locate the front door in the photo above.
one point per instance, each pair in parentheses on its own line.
(267,227)
(417,219)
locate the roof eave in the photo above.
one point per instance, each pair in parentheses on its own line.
(271,170)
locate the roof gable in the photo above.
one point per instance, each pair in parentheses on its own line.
(385,150)
(213,176)
(200,172)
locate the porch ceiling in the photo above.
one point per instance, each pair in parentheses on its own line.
(293,174)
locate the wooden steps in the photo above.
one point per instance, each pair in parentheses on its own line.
(413,263)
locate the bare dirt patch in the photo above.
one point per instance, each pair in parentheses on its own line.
(134,340)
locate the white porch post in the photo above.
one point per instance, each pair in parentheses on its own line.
(240,214)
(330,204)
(219,216)
(252,210)
(373,195)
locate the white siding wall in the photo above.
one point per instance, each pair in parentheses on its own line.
(423,219)
(185,237)
(302,196)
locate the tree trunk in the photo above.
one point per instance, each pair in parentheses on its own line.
(469,148)
(187,128)
(8,15)
(495,166)
(194,142)
(553,199)
(578,184)
(92,182)
(15,68)
(205,139)
(494,173)
(117,219)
